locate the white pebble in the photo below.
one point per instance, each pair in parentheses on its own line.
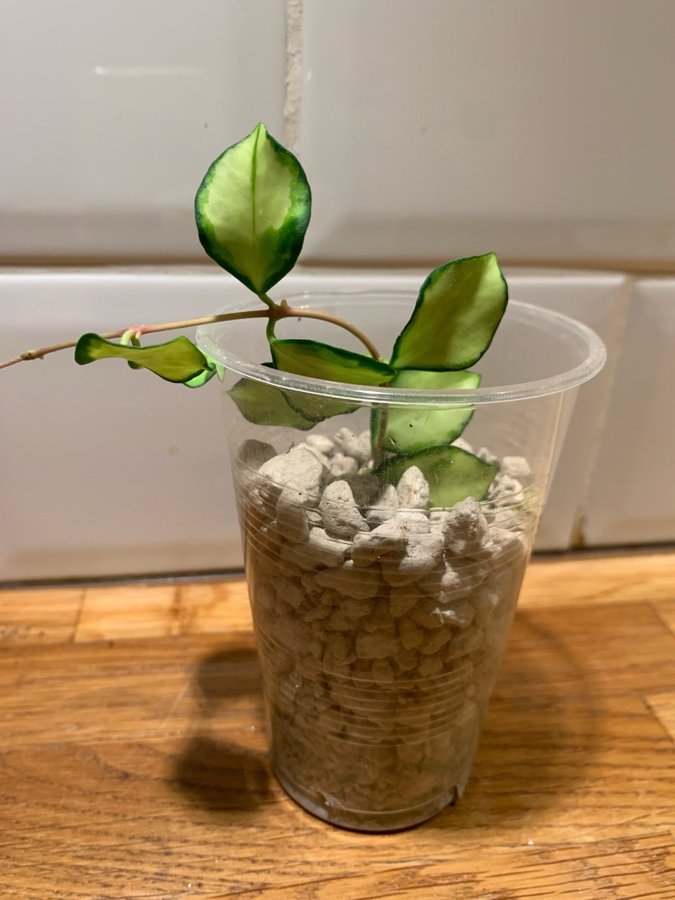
(325,550)
(505,491)
(341,465)
(515,466)
(357,446)
(323,459)
(386,538)
(357,583)
(288,591)
(423,552)
(458,611)
(487,456)
(413,489)
(321,443)
(414,522)
(291,518)
(339,513)
(466,528)
(299,469)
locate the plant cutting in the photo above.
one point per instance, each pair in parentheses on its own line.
(384,551)
(252,210)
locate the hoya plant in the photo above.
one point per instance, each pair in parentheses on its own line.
(252,210)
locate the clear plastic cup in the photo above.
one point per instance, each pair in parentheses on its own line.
(380,620)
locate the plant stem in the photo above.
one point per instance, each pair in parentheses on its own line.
(378,443)
(273,313)
(141,329)
(290,311)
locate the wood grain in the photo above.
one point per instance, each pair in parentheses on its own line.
(39,616)
(663,706)
(132,753)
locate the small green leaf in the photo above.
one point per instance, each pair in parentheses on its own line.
(453,474)
(317,360)
(178,360)
(456,315)
(252,210)
(264,404)
(410,429)
(202,378)
(130,339)
(214,368)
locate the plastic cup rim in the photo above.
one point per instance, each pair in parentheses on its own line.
(362,394)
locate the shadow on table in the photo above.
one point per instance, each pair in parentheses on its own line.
(226,675)
(541,732)
(218,774)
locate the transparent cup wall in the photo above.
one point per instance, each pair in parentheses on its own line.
(380,633)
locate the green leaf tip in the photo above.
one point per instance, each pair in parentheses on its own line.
(178,360)
(252,210)
(458,309)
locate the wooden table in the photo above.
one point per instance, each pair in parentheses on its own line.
(132,753)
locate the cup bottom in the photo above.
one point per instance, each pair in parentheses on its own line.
(331,810)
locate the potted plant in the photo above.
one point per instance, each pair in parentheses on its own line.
(384,551)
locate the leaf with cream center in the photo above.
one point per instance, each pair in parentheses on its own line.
(456,315)
(252,210)
(178,360)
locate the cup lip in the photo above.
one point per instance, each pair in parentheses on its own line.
(564,326)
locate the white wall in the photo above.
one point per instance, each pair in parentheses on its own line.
(429,130)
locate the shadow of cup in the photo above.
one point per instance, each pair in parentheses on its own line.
(217,773)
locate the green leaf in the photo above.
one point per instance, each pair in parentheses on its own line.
(202,378)
(317,360)
(456,315)
(264,404)
(410,429)
(130,339)
(178,360)
(252,210)
(453,474)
